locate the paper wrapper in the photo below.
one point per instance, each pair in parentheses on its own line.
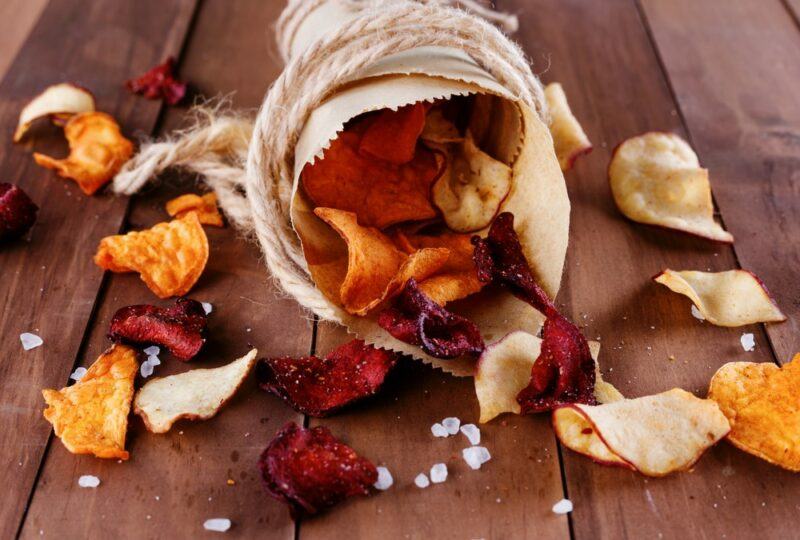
(508,130)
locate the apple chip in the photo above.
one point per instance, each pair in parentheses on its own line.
(731,298)
(198,394)
(205,206)
(654,435)
(169,257)
(91,416)
(656,179)
(97,150)
(569,139)
(58,102)
(761,401)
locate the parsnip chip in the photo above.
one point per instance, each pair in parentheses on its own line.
(91,416)
(59,101)
(731,298)
(762,403)
(656,179)
(569,139)
(654,435)
(198,394)
(205,206)
(438,129)
(97,150)
(169,257)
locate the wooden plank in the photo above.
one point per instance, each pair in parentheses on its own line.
(174,482)
(49,281)
(17,18)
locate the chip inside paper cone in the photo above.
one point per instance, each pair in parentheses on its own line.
(59,101)
(761,401)
(656,179)
(205,206)
(569,139)
(654,435)
(91,416)
(731,298)
(392,135)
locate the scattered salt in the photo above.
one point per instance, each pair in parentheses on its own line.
(438,430)
(217,524)
(155,360)
(30,341)
(472,433)
(207,307)
(152,350)
(78,374)
(696,313)
(451,424)
(564,506)
(748,342)
(421,481)
(438,473)
(475,456)
(385,479)
(88,481)
(146,369)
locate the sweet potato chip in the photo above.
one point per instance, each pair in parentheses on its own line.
(656,179)
(91,416)
(17,212)
(732,298)
(159,83)
(569,139)
(654,435)
(198,394)
(59,101)
(392,135)
(97,150)
(762,402)
(320,386)
(205,206)
(169,257)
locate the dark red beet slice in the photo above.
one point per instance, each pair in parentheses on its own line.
(310,470)
(320,386)
(17,212)
(180,328)
(159,83)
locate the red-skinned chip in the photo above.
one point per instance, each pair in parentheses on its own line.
(180,328)
(310,470)
(320,386)
(17,212)
(392,135)
(159,83)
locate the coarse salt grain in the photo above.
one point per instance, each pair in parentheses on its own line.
(438,430)
(421,481)
(451,424)
(696,313)
(78,374)
(472,433)
(88,481)
(207,307)
(152,350)
(385,479)
(146,369)
(564,506)
(155,360)
(217,524)
(475,456)
(30,341)
(748,342)
(438,473)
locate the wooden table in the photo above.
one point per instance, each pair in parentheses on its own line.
(722,73)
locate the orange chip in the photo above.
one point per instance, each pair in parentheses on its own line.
(97,150)
(392,135)
(169,257)
(91,416)
(205,206)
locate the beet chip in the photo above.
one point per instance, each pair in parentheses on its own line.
(159,83)
(319,386)
(180,328)
(564,372)
(310,470)
(418,320)
(17,212)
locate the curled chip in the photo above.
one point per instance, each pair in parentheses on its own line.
(392,135)
(17,212)
(97,150)
(761,402)
(91,416)
(732,298)
(569,139)
(198,394)
(310,470)
(181,328)
(419,321)
(320,386)
(169,257)
(654,435)
(159,83)
(58,102)
(656,179)
(438,129)
(205,206)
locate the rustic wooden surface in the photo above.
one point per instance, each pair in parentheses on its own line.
(722,73)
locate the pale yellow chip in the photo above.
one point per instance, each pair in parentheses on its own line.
(655,435)
(569,139)
(205,206)
(91,416)
(731,298)
(439,129)
(198,394)
(59,101)
(762,402)
(656,179)
(169,257)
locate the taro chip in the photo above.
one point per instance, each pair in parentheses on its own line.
(97,151)
(656,179)
(180,328)
(169,257)
(91,416)
(310,470)
(198,394)
(654,435)
(57,102)
(569,139)
(731,298)
(159,83)
(761,402)
(392,135)
(205,206)
(320,386)
(17,212)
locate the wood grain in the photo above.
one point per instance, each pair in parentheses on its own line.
(17,18)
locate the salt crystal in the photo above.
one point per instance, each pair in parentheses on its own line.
(217,524)
(152,350)
(88,481)
(155,360)
(438,430)
(438,473)
(451,424)
(30,341)
(385,479)
(475,456)
(472,433)
(78,374)
(207,307)
(748,342)
(564,506)
(696,313)
(146,369)
(422,481)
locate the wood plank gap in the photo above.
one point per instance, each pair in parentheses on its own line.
(793,11)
